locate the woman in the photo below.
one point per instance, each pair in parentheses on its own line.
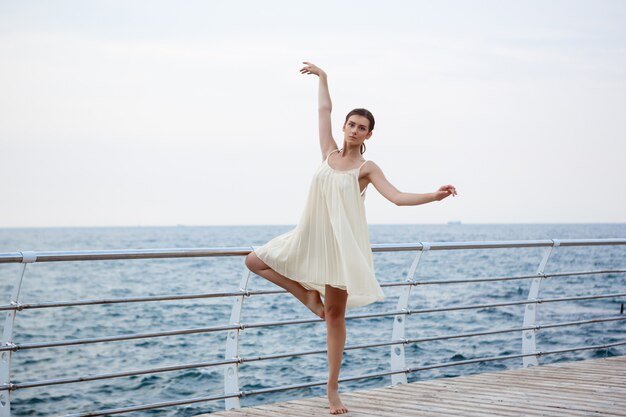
(328,253)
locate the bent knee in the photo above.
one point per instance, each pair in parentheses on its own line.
(253,263)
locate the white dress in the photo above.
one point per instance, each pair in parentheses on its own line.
(330,245)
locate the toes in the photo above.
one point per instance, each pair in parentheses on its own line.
(342,410)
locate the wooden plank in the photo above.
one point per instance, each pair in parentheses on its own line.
(360,409)
(539,390)
(538,393)
(556,372)
(595,387)
(597,371)
(321,408)
(532,379)
(508,398)
(548,382)
(296,410)
(247,412)
(464,401)
(452,400)
(430,406)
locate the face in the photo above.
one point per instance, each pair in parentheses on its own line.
(356,129)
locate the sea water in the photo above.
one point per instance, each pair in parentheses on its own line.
(65,281)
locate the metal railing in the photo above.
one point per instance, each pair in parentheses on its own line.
(232,393)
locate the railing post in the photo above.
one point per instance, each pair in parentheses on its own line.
(397,358)
(231,373)
(7,338)
(529,342)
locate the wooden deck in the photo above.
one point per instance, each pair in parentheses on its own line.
(586,388)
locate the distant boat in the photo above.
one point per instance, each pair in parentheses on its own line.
(454,222)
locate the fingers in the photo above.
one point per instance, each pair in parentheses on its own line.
(450,189)
(309,68)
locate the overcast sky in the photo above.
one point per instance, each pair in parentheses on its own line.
(194,112)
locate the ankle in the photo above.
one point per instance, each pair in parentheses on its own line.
(332,386)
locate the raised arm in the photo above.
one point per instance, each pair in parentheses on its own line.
(386,189)
(325,107)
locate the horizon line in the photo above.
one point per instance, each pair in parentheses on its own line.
(451,223)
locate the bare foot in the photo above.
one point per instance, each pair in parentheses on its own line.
(336,406)
(314,303)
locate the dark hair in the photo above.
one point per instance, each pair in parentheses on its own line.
(367,114)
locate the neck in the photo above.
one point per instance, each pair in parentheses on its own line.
(351,150)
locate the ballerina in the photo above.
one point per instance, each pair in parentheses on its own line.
(328,254)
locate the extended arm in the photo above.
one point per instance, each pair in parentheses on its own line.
(391,193)
(325,107)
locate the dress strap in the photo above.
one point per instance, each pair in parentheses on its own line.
(329,153)
(362,165)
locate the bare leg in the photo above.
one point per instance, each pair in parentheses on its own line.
(335,312)
(310,298)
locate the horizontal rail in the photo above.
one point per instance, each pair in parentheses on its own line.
(515,329)
(21,307)
(15,347)
(247,293)
(512,303)
(49,382)
(320,383)
(243,326)
(119,254)
(44,383)
(517,277)
(100,255)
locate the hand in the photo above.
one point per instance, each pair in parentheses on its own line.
(312,69)
(445,191)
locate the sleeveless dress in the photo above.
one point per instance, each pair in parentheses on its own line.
(330,245)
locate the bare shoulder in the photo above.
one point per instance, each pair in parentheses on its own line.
(370,167)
